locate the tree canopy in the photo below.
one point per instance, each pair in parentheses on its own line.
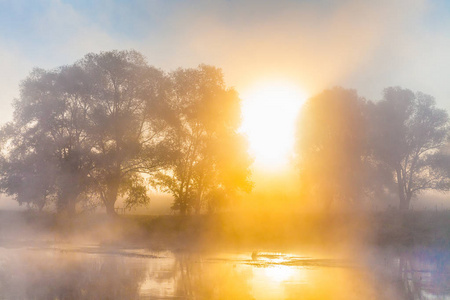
(349,148)
(109,125)
(407,132)
(331,145)
(45,149)
(212,162)
(128,118)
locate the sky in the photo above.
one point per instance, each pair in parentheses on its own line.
(364,45)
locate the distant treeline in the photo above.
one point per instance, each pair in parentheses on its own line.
(110,126)
(350,149)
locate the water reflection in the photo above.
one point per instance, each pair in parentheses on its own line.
(96,273)
(191,276)
(425,274)
(60,275)
(201,279)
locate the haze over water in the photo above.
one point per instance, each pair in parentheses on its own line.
(224,149)
(68,272)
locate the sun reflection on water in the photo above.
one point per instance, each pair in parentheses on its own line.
(279,273)
(99,273)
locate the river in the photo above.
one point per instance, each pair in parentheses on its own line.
(65,271)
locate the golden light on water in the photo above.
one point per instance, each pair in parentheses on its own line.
(269,112)
(279,273)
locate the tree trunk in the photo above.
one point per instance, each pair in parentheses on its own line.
(183,207)
(404,203)
(110,211)
(112,191)
(67,204)
(182,210)
(71,207)
(198,203)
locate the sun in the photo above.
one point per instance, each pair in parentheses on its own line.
(269,113)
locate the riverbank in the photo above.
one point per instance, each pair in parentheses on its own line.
(232,230)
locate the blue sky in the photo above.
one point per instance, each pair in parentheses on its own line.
(366,45)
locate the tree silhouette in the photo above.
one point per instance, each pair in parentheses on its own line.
(128,124)
(45,149)
(212,162)
(331,146)
(407,132)
(90,128)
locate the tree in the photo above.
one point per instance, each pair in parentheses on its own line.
(45,149)
(212,162)
(88,129)
(407,132)
(331,146)
(129,121)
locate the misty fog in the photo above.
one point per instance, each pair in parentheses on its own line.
(224,150)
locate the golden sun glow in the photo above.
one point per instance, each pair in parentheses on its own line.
(269,113)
